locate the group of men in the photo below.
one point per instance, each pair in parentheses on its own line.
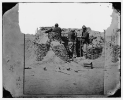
(73,44)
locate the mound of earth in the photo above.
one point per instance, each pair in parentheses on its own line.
(41,51)
(60,51)
(37,49)
(34,49)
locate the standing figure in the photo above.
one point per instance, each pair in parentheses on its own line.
(71,39)
(85,38)
(78,47)
(55,33)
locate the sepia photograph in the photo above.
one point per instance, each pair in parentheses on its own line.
(61,49)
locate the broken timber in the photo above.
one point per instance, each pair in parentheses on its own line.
(88,65)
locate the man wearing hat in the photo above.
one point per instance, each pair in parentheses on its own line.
(56,32)
(85,38)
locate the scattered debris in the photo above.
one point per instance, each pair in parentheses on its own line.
(27,68)
(63,72)
(76,71)
(45,69)
(68,69)
(74,83)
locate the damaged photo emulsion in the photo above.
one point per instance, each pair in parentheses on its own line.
(68,48)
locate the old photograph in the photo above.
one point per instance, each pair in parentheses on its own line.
(61,49)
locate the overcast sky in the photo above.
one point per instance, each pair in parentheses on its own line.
(97,16)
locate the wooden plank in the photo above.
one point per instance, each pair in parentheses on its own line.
(88,65)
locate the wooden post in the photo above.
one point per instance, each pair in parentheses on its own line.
(86,50)
(104,44)
(75,45)
(80,46)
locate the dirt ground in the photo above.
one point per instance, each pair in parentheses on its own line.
(53,76)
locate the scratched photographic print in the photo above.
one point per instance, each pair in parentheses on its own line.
(61,49)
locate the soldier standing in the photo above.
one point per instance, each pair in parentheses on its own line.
(56,35)
(85,38)
(71,39)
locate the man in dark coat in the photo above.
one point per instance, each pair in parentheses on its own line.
(56,32)
(57,29)
(85,38)
(85,35)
